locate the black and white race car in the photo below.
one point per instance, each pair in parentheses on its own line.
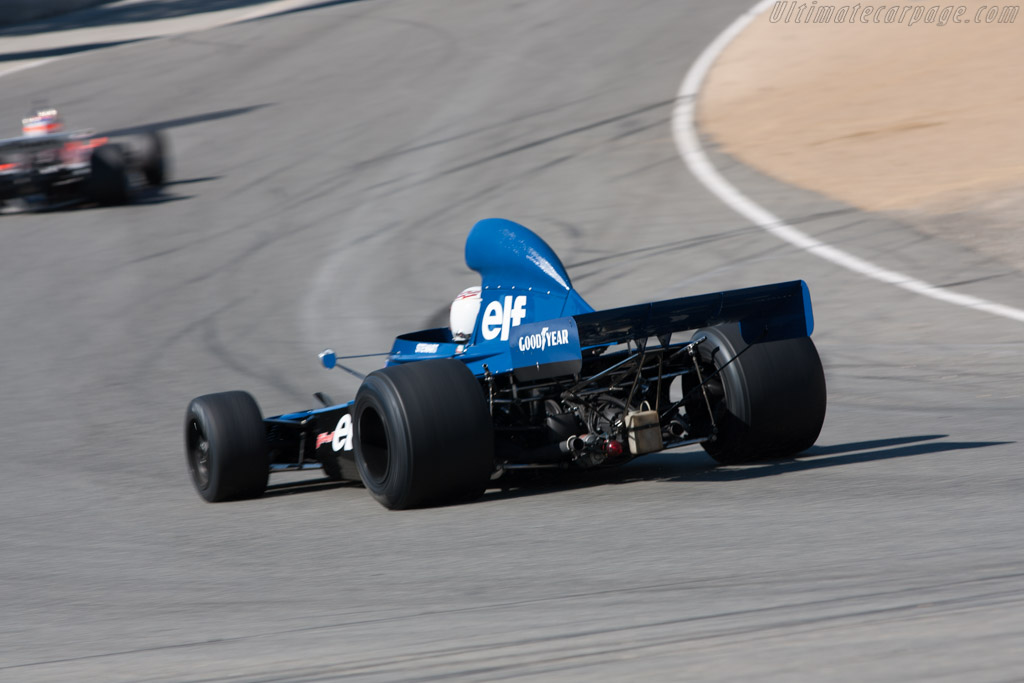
(47,167)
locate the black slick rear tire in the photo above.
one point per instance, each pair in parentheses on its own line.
(768,399)
(108,179)
(153,158)
(423,435)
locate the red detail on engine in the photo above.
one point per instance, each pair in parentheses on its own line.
(613,448)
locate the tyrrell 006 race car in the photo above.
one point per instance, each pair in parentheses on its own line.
(49,168)
(529,376)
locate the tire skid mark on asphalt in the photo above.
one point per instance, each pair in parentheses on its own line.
(684,133)
(546,654)
(1001,588)
(598,646)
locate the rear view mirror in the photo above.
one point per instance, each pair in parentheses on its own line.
(328,359)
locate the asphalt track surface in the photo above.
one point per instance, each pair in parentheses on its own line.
(328,166)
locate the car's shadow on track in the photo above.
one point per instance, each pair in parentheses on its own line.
(159,195)
(181,121)
(680,466)
(695,466)
(59,51)
(149,197)
(141,196)
(308,486)
(840,454)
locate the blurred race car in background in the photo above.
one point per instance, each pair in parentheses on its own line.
(529,376)
(49,168)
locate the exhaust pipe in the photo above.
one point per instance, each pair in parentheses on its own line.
(574,445)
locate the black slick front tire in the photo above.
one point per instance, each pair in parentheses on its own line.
(226,447)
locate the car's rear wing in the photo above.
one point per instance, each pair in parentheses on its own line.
(555,347)
(765,313)
(33,143)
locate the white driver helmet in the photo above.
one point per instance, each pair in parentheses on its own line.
(42,122)
(462,314)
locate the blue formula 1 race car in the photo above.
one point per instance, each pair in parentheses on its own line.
(530,376)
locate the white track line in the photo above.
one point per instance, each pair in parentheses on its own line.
(684,132)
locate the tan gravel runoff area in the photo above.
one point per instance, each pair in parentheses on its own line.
(922,121)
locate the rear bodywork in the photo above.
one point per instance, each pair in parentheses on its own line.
(46,169)
(566,385)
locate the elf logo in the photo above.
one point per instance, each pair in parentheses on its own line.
(341,438)
(500,316)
